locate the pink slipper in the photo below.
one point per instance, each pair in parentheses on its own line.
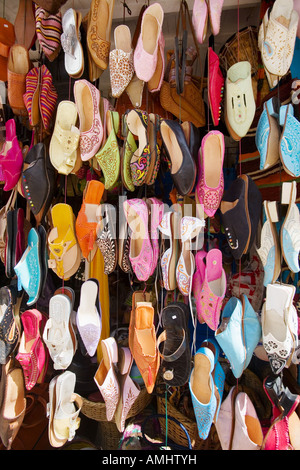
(87,99)
(145,54)
(32,355)
(215,11)
(156,211)
(199,19)
(11,159)
(210,185)
(210,298)
(140,252)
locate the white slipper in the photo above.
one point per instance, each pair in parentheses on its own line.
(88,317)
(290,229)
(58,333)
(70,41)
(63,409)
(279,325)
(278,46)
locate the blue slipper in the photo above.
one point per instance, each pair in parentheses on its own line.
(28,269)
(290,141)
(268,135)
(239,333)
(206,386)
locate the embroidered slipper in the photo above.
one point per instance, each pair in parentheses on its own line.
(106,377)
(124,246)
(126,154)
(141,252)
(108,156)
(156,212)
(121,61)
(215,85)
(212,293)
(129,391)
(64,250)
(138,124)
(268,135)
(28,269)
(169,227)
(70,41)
(175,356)
(106,236)
(86,221)
(88,318)
(65,138)
(99,29)
(9,329)
(145,53)
(290,229)
(154,124)
(87,99)
(289,145)
(190,228)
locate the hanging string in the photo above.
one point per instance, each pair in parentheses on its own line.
(166,401)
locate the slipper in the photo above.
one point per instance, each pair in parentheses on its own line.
(169,227)
(58,333)
(198,280)
(24,24)
(210,299)
(86,221)
(48,30)
(239,100)
(70,41)
(135,90)
(32,353)
(199,19)
(106,236)
(18,66)
(98,33)
(215,85)
(129,391)
(88,318)
(190,228)
(269,250)
(290,229)
(279,325)
(141,252)
(289,145)
(156,212)
(142,339)
(183,167)
(154,123)
(268,135)
(65,138)
(87,99)
(38,181)
(106,377)
(206,399)
(145,53)
(28,269)
(63,409)
(155,82)
(108,157)
(124,246)
(64,250)
(11,159)
(9,329)
(279,40)
(121,61)
(128,150)
(138,124)
(175,356)
(214,11)
(7,40)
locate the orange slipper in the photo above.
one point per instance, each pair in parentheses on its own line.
(86,222)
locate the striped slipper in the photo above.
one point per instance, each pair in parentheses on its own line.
(48,31)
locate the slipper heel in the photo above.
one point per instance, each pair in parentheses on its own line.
(271,207)
(273,107)
(288,194)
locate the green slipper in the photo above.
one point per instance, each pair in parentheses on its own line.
(108,157)
(129,149)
